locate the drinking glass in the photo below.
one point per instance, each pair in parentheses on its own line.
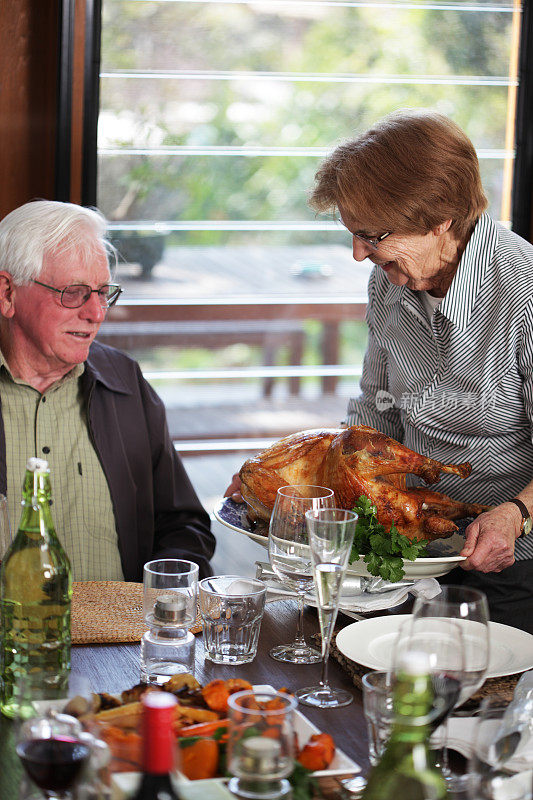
(468,608)
(51,743)
(232,610)
(261,743)
(379,713)
(496,741)
(441,640)
(290,557)
(331,532)
(169,605)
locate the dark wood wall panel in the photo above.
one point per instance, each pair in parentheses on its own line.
(28,90)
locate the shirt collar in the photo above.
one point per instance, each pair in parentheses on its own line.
(458,303)
(73,374)
(104,369)
(460,298)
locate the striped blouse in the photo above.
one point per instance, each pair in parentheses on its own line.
(459,386)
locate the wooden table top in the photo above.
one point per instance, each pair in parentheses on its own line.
(112,668)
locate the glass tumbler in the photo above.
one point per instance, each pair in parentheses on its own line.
(379,715)
(261,743)
(232,610)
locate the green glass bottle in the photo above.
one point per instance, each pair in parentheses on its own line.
(35,596)
(406,768)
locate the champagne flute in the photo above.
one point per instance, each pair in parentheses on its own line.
(468,608)
(331,532)
(290,557)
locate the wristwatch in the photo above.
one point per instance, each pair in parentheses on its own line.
(527,522)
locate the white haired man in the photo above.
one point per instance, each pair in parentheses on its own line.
(121,493)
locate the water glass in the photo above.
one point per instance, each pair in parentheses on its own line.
(379,715)
(232,609)
(468,610)
(261,743)
(491,776)
(290,557)
(169,606)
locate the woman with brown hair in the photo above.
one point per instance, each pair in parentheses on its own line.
(449,365)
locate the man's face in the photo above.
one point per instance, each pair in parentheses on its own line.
(47,335)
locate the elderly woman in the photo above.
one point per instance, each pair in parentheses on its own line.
(449,365)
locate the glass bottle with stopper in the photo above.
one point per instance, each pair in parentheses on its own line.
(35,597)
(169,603)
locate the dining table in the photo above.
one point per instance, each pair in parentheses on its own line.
(115,667)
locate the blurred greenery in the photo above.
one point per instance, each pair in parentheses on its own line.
(234,76)
(382,44)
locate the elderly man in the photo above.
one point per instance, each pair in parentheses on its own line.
(121,493)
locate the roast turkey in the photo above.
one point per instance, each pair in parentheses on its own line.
(353,462)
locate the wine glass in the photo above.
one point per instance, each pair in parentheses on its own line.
(51,744)
(497,739)
(468,608)
(331,532)
(441,640)
(290,557)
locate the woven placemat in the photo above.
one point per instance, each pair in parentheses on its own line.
(504,686)
(109,611)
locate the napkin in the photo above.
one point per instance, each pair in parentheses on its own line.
(366,601)
(461,737)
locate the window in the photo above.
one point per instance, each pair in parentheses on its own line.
(213,117)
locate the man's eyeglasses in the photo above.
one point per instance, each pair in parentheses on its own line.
(372,241)
(77,294)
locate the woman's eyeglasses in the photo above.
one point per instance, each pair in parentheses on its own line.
(78,294)
(371,241)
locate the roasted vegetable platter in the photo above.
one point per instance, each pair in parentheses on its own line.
(201,729)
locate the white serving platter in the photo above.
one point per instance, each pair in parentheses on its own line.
(444,552)
(124,783)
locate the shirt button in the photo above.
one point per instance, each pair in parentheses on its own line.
(46,449)
(43,399)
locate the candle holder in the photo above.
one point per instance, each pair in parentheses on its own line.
(261,743)
(169,606)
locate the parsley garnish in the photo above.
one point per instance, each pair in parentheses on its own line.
(303,783)
(382,551)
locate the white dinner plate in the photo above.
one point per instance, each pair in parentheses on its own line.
(444,552)
(370,643)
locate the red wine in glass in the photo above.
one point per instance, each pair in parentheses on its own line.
(53,764)
(447,689)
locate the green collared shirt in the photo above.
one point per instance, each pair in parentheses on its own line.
(53,426)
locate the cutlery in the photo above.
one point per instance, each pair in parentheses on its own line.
(352,585)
